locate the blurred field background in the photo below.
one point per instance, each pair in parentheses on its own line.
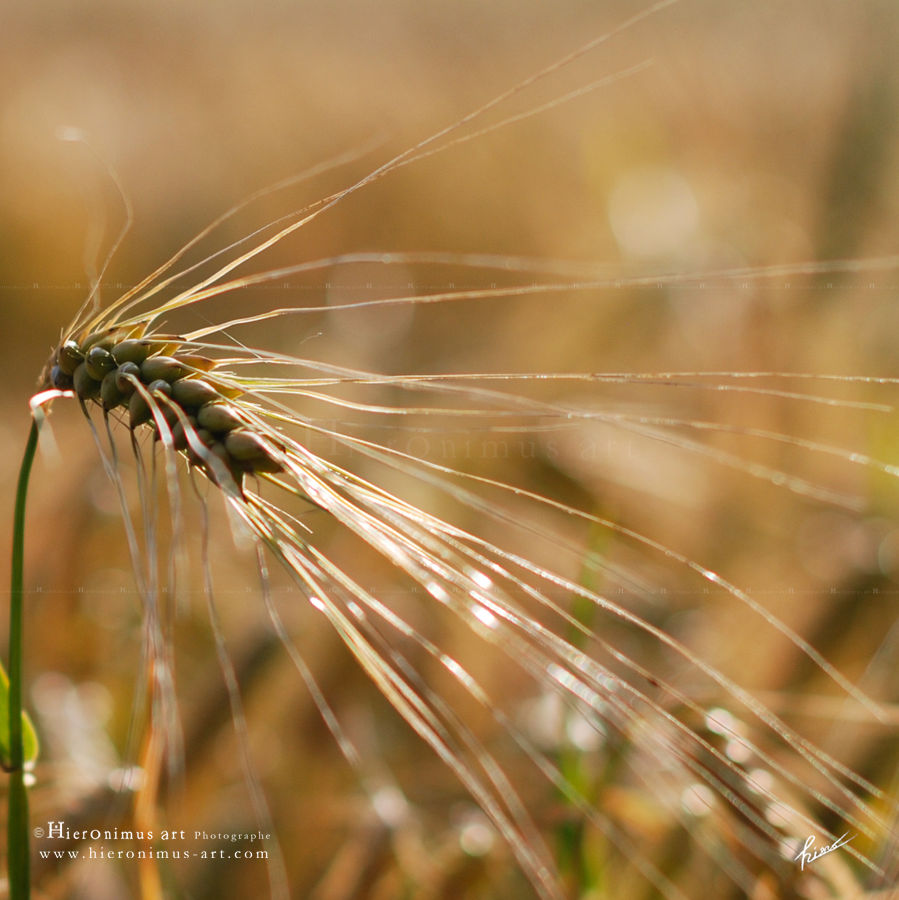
(754,136)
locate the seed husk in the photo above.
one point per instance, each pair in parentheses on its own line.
(138,410)
(244,445)
(166,368)
(194,392)
(250,452)
(170,414)
(123,382)
(132,350)
(85,386)
(160,386)
(109,391)
(194,362)
(60,379)
(99,362)
(69,357)
(218,417)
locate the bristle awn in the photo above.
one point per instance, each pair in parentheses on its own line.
(143,291)
(627,700)
(587,280)
(92,302)
(419,151)
(398,535)
(385,648)
(815,758)
(799,485)
(572,660)
(651,427)
(523,651)
(350,753)
(644,425)
(388,511)
(156,745)
(431,720)
(277,873)
(163,747)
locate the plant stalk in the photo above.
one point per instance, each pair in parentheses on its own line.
(18,858)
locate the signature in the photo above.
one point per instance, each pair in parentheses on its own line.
(809,853)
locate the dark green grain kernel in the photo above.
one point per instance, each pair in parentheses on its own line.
(160,386)
(138,407)
(99,362)
(132,351)
(250,452)
(69,357)
(194,392)
(218,417)
(165,367)
(138,410)
(86,387)
(59,379)
(123,382)
(109,391)
(245,445)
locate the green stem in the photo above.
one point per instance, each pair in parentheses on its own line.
(17,829)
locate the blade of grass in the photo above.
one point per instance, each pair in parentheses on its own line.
(17,826)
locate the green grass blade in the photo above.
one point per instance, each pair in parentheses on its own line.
(30,745)
(21,741)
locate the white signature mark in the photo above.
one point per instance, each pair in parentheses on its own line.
(808,853)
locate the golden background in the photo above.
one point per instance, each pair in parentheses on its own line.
(749,137)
